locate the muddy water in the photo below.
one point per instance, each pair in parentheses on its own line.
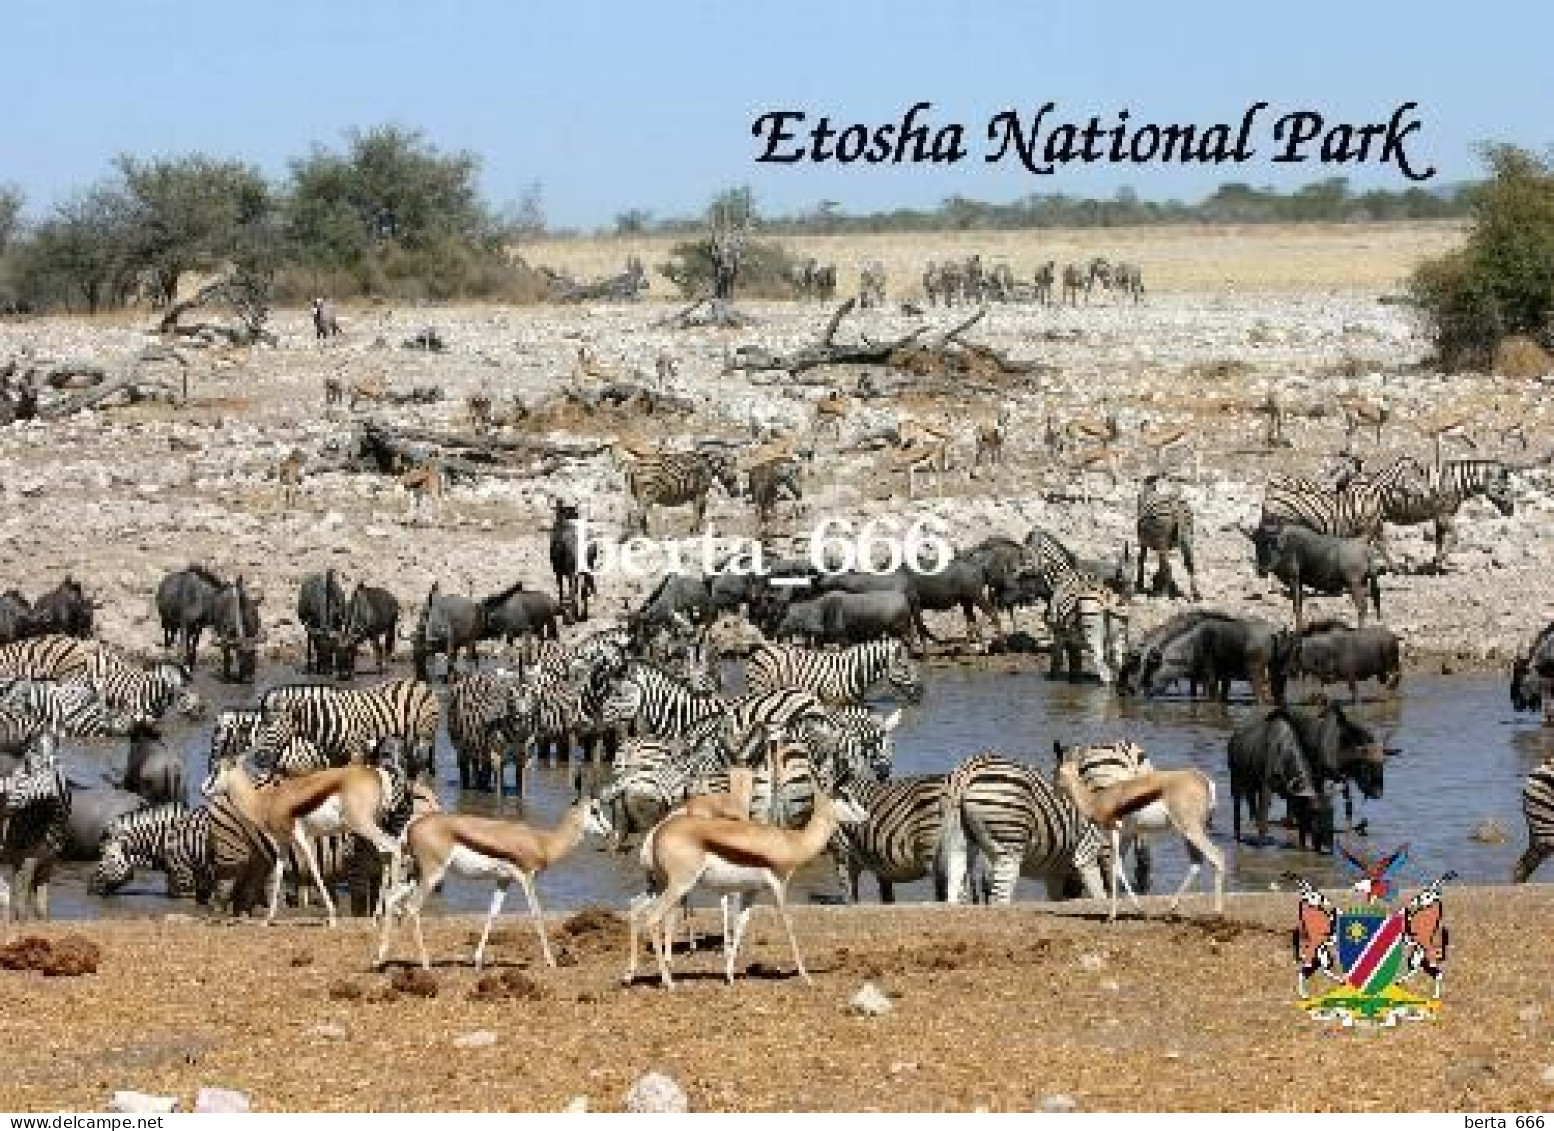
(1464,755)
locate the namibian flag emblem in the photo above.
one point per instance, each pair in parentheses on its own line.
(1370,945)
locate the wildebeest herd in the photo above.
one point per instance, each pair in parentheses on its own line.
(328,781)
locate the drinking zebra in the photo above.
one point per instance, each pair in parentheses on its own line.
(900,842)
(1439,498)
(836,677)
(1087,619)
(1014,817)
(70,709)
(146,694)
(34,812)
(491,719)
(1354,510)
(349,725)
(1538,806)
(673,479)
(1164,523)
(139,840)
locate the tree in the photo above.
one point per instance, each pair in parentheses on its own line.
(82,251)
(527,219)
(192,213)
(1502,281)
(11,201)
(633,222)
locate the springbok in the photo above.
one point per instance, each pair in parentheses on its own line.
(830,411)
(485,847)
(989,437)
(1148,804)
(291,471)
(424,482)
(730,856)
(304,808)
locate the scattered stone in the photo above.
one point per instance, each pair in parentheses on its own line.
(1058,1101)
(344,991)
(1111,985)
(141,1103)
(902,1067)
(1488,831)
(577,1105)
(1091,962)
(221,1101)
(329,1031)
(870,1001)
(657,1094)
(302,958)
(1529,1013)
(479,1039)
(1548,1075)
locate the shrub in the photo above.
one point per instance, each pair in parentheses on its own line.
(766,271)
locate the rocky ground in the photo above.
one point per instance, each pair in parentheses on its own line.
(119,495)
(1012,1009)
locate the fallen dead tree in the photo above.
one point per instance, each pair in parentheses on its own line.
(707,311)
(628,286)
(247,293)
(133,385)
(378,448)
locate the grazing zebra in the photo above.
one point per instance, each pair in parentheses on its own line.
(1538,806)
(673,479)
(1087,619)
(836,677)
(900,841)
(34,812)
(1354,510)
(348,725)
(1441,496)
(1013,816)
(139,840)
(1164,523)
(74,710)
(1129,280)
(144,693)
(491,718)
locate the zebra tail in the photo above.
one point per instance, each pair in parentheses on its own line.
(950,861)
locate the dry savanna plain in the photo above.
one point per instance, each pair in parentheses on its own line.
(1003,1009)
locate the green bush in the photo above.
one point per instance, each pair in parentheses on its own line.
(766,271)
(1502,281)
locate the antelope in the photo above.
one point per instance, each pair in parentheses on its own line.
(476,847)
(291,472)
(830,411)
(730,856)
(371,389)
(587,367)
(1148,804)
(1361,413)
(302,808)
(1104,457)
(424,482)
(1102,430)
(665,367)
(933,459)
(989,436)
(1452,426)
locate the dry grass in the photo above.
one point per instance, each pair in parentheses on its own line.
(1202,258)
(1191,1015)
(1522,357)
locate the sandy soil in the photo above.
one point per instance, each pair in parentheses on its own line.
(993,1008)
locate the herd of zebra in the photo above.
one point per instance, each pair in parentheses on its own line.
(971,282)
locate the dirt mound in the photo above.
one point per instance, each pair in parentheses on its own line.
(67,956)
(415,981)
(595,929)
(507,986)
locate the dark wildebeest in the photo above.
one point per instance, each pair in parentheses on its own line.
(856,618)
(1298,754)
(677,600)
(1335,653)
(966,582)
(1303,559)
(15,617)
(772,481)
(574,575)
(1012,573)
(321,610)
(1532,675)
(448,625)
(154,769)
(517,612)
(66,610)
(1130,672)
(192,599)
(371,616)
(1217,650)
(325,322)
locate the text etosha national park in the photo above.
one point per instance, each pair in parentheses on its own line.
(1043,141)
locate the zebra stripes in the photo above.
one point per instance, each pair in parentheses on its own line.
(1441,495)
(491,718)
(1021,823)
(1354,510)
(48,657)
(1087,619)
(144,694)
(350,725)
(657,703)
(1104,764)
(34,810)
(139,840)
(1538,807)
(836,677)
(74,710)
(672,479)
(900,841)
(1164,523)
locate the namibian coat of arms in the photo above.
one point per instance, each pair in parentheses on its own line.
(1369,950)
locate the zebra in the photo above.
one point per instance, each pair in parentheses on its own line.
(1014,816)
(1354,510)
(1046,275)
(900,842)
(1447,486)
(656,702)
(673,479)
(491,715)
(1164,523)
(69,709)
(231,861)
(1538,806)
(836,677)
(139,840)
(1128,279)
(1087,618)
(20,728)
(48,657)
(146,694)
(1104,764)
(348,725)
(234,731)
(34,812)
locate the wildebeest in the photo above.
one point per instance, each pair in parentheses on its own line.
(192,599)
(1130,672)
(15,617)
(772,481)
(678,598)
(321,611)
(842,617)
(517,612)
(1335,653)
(574,574)
(1298,753)
(154,769)
(1216,650)
(1531,672)
(448,624)
(371,616)
(1303,559)
(65,609)
(325,322)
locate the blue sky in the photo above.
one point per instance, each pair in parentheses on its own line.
(618,105)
